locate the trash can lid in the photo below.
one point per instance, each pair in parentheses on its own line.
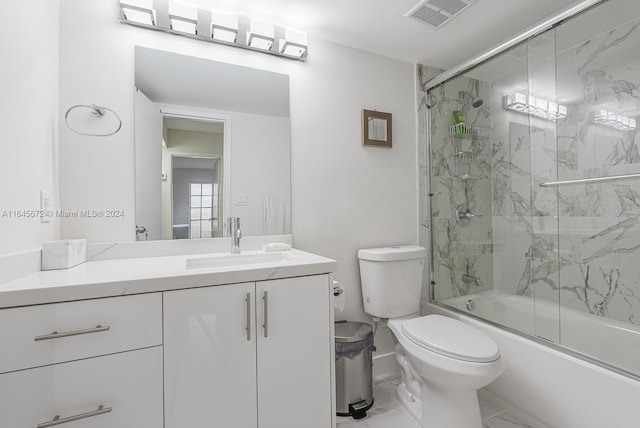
(352,331)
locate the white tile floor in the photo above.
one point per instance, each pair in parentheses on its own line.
(387,412)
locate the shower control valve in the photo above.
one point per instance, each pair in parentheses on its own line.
(464,215)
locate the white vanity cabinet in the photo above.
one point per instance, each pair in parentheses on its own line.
(122,390)
(294,352)
(91,364)
(210,357)
(39,335)
(256,354)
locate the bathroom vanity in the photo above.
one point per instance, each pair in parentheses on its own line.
(182,341)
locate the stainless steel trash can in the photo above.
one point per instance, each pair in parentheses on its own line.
(354,388)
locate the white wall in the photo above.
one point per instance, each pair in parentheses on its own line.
(28,119)
(344,196)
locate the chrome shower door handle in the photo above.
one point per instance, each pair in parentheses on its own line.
(265,302)
(248,303)
(59,421)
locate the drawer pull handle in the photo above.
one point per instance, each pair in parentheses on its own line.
(56,335)
(59,421)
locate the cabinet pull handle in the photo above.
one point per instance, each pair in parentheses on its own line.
(56,335)
(248,302)
(59,421)
(265,300)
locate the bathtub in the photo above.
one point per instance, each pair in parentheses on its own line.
(553,385)
(613,343)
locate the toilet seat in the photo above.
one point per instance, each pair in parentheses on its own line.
(451,338)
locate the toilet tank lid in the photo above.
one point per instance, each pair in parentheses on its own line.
(396,252)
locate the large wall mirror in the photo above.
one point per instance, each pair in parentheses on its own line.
(212,140)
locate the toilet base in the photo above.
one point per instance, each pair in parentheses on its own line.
(410,402)
(446,408)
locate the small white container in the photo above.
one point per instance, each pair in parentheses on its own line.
(63,254)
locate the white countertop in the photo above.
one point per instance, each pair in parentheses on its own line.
(120,277)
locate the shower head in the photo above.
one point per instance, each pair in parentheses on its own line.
(475,101)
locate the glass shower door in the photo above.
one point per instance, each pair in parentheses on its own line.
(598,74)
(535,192)
(544,111)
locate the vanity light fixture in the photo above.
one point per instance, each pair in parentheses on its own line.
(538,107)
(619,122)
(261,35)
(183,17)
(138,11)
(224,27)
(294,43)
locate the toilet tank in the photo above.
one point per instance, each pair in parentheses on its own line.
(391,280)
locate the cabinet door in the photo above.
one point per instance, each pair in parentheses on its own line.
(127,385)
(210,357)
(294,352)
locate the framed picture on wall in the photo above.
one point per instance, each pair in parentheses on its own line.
(376,128)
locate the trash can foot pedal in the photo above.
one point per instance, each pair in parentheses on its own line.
(359,410)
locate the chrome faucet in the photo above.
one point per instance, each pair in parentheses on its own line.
(235,234)
(140,230)
(470,279)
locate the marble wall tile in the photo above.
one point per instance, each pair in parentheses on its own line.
(616,246)
(544,239)
(600,51)
(426,73)
(606,292)
(448,275)
(456,249)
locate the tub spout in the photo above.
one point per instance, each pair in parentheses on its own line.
(470,279)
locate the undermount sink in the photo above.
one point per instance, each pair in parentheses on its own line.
(231,260)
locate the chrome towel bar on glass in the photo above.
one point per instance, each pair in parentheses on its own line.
(590,180)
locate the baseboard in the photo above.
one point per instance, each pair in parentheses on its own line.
(385,367)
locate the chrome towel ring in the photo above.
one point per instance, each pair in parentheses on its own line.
(97,111)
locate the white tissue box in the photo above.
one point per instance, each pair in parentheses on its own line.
(63,254)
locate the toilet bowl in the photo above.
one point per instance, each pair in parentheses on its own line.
(443,361)
(450,361)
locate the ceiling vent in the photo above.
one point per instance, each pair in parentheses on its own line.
(438,12)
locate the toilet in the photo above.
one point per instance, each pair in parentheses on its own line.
(443,361)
